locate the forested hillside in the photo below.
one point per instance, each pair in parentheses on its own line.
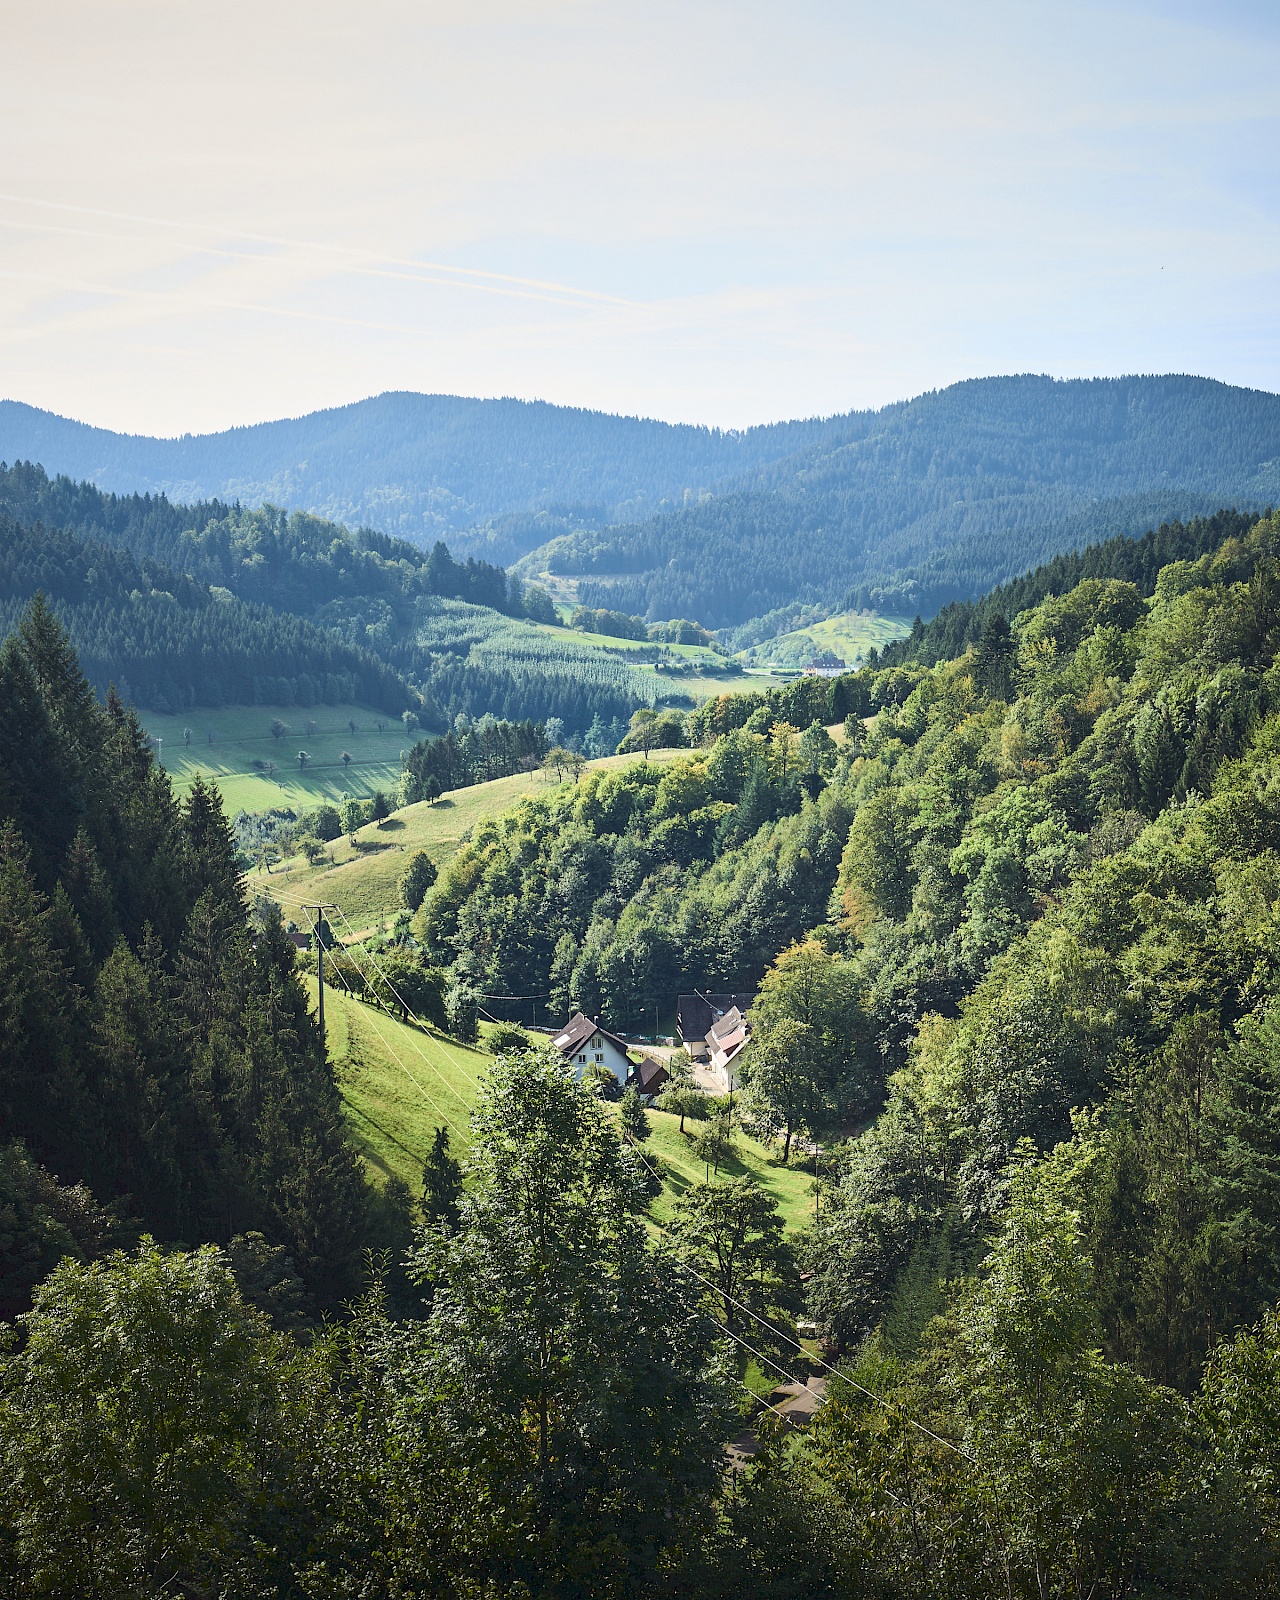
(172,642)
(941,497)
(419,466)
(1015,937)
(903,509)
(212,604)
(156,1052)
(1137,561)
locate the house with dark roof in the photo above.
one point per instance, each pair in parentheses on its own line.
(584,1043)
(696,1014)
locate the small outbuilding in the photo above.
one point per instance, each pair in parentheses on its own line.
(649,1076)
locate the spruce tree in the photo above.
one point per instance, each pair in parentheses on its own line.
(441,1182)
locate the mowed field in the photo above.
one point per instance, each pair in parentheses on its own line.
(698,685)
(365,881)
(225,744)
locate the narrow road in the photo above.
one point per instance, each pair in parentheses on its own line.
(797,1403)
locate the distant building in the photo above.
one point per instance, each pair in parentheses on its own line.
(696,1013)
(584,1043)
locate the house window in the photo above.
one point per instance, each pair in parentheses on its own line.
(599,1056)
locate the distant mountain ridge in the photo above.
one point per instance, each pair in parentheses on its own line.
(905,509)
(941,498)
(414,465)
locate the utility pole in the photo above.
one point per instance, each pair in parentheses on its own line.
(319,937)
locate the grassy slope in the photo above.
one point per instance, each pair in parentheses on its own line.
(241,736)
(792,1189)
(850,634)
(365,882)
(697,684)
(394,1106)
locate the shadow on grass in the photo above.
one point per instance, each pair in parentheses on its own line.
(385,1132)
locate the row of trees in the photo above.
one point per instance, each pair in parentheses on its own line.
(471,752)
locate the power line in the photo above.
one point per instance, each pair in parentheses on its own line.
(350,950)
(419,1086)
(381,1006)
(404,1004)
(778,1333)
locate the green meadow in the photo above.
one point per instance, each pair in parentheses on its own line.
(224,745)
(849,635)
(365,880)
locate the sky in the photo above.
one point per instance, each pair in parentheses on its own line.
(214,213)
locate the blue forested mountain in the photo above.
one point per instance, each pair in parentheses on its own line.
(907,508)
(941,497)
(418,465)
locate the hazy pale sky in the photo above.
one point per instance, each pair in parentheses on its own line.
(213,212)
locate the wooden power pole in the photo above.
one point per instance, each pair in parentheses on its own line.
(319,937)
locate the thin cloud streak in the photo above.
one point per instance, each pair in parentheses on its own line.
(464,275)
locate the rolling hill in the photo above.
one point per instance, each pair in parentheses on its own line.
(901,509)
(940,498)
(417,465)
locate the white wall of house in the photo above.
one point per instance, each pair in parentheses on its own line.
(600,1051)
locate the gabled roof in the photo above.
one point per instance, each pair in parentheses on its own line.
(729,1046)
(578,1030)
(650,1075)
(729,1023)
(696,1012)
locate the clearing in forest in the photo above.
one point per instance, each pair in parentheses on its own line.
(235,747)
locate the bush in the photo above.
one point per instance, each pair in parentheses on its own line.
(507,1037)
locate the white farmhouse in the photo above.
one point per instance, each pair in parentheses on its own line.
(584,1043)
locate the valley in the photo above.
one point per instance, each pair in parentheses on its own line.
(996,906)
(640,801)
